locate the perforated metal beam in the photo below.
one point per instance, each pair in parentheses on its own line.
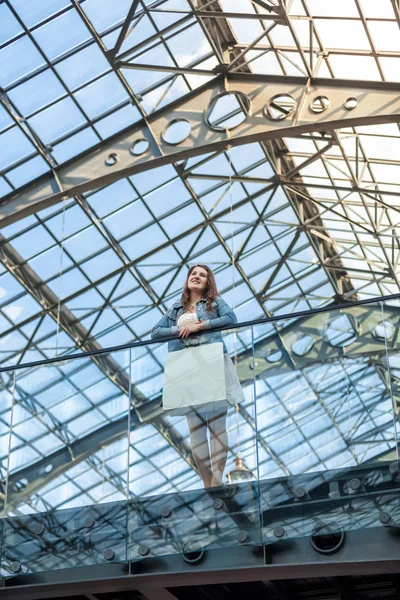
(322,351)
(375,104)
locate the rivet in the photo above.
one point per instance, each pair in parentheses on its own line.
(243,536)
(355,484)
(143,550)
(300,492)
(89,522)
(109,554)
(279,532)
(38,528)
(166,512)
(15,566)
(385,518)
(218,504)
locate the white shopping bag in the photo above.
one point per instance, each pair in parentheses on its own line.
(194,377)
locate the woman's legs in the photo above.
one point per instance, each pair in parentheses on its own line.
(199,442)
(218,444)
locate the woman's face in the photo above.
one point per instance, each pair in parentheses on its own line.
(197,281)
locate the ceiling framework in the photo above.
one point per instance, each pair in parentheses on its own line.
(116,159)
(294,207)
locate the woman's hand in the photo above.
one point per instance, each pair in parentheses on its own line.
(190,328)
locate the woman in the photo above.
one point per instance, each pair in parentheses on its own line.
(196,314)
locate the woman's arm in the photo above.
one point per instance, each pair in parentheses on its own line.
(226,316)
(163,329)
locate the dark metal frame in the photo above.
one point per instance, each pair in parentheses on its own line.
(372,548)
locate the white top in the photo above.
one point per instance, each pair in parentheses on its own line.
(187,318)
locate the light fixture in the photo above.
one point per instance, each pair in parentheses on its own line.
(240,473)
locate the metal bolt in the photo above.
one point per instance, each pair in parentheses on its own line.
(218,504)
(89,522)
(109,554)
(166,512)
(300,492)
(355,484)
(279,532)
(385,518)
(15,566)
(243,536)
(38,528)
(143,550)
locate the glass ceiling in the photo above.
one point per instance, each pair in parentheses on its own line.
(102,267)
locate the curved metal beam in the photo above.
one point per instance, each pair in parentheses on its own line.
(375,104)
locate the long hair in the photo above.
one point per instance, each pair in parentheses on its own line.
(210,293)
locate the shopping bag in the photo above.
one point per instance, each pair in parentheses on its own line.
(194,377)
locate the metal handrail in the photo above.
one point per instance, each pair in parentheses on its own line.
(294,315)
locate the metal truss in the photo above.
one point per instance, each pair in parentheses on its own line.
(319,121)
(115,159)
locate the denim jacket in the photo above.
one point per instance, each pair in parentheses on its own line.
(220,315)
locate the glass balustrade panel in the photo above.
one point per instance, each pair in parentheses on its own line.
(193,474)
(326,424)
(67,473)
(6,408)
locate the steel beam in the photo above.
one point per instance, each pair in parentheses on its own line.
(369,545)
(376,104)
(367,345)
(124,30)
(307,212)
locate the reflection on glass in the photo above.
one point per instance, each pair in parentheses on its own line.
(284,429)
(325,418)
(387,330)
(320,404)
(192,476)
(6,415)
(68,463)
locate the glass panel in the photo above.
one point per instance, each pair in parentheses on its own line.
(387,330)
(325,418)
(67,485)
(193,471)
(136,454)
(6,416)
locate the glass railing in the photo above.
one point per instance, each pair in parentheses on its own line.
(114,458)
